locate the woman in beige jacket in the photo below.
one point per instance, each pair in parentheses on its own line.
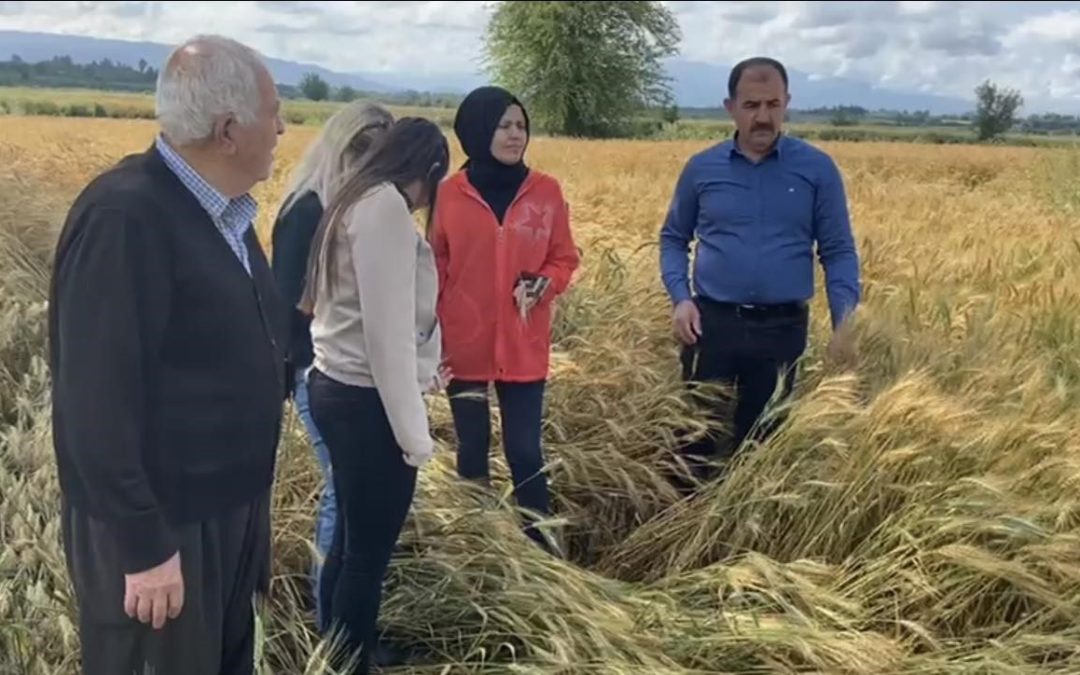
(372,287)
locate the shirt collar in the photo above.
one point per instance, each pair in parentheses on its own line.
(778,147)
(210,198)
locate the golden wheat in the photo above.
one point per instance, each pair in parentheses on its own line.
(919,515)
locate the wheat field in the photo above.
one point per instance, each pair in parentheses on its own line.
(920,514)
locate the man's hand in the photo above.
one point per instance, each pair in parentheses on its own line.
(841,349)
(687,320)
(155,594)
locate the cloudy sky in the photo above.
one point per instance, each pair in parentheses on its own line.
(933,47)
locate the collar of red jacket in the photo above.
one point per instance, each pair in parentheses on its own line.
(461,182)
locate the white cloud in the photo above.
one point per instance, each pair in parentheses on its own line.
(943,48)
(1060,26)
(935,47)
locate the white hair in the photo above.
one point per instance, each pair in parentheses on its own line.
(204,78)
(336,153)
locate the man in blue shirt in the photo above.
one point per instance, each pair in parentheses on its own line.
(757,205)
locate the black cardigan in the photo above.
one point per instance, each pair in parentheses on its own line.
(293,231)
(167,360)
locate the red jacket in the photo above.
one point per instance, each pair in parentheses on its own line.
(479,261)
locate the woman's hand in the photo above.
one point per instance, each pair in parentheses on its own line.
(419,456)
(441,380)
(530,290)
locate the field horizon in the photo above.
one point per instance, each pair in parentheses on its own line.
(917,514)
(78,102)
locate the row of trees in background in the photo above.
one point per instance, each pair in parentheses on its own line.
(995,114)
(62,71)
(313,87)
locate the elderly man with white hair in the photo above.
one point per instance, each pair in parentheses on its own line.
(167,351)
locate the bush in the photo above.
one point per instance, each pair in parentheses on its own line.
(77,110)
(40,108)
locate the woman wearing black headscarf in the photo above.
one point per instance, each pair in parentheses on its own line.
(504,250)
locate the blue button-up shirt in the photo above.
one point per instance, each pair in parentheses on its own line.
(756,226)
(232,217)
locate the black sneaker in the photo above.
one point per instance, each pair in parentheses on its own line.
(387,654)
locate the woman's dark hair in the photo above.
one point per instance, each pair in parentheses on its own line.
(413,149)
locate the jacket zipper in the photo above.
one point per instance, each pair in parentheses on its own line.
(500,257)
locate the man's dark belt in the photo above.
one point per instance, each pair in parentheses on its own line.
(756,311)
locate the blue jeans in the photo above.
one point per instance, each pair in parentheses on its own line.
(327,512)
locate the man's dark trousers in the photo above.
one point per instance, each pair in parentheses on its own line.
(224,561)
(747,347)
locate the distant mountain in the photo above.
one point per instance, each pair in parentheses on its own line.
(436,83)
(702,85)
(694,84)
(33,47)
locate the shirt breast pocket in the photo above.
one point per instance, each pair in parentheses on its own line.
(791,205)
(728,207)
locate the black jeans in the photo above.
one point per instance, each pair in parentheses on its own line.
(374,488)
(522,406)
(752,350)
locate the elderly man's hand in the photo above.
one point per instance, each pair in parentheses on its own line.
(156,594)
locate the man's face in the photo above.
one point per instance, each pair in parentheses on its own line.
(758,109)
(254,144)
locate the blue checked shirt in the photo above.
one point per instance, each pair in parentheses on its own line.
(232,217)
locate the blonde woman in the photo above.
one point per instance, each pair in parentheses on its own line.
(330,162)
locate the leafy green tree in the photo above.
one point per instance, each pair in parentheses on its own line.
(314,87)
(346,94)
(583,68)
(995,110)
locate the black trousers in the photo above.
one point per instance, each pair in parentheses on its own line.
(224,561)
(521,405)
(374,488)
(753,350)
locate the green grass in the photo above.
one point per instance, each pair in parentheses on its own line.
(937,135)
(93,103)
(125,105)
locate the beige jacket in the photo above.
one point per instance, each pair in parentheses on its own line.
(376,326)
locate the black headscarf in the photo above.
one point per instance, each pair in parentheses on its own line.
(475,124)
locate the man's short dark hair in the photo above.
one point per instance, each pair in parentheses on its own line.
(741,66)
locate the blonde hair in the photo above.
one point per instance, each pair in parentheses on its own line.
(336,153)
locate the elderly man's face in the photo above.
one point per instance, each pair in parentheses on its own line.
(255,143)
